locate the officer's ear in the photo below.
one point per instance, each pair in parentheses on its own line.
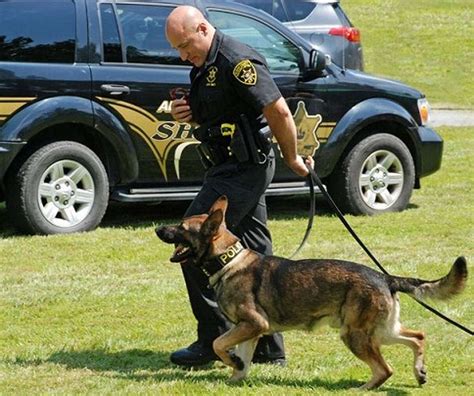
(202,29)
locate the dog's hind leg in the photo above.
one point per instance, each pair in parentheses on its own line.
(243,332)
(416,341)
(364,347)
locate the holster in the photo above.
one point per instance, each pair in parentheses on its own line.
(258,143)
(211,155)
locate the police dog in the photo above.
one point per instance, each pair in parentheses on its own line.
(265,294)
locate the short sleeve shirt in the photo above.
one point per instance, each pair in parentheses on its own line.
(234,80)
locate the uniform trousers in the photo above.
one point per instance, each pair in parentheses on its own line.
(244,184)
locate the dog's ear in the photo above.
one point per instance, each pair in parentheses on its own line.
(220,204)
(211,226)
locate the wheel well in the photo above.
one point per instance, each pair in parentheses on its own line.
(390,127)
(72,132)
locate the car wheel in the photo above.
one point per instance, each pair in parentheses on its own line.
(377,176)
(61,188)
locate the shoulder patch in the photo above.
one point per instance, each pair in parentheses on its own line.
(245,72)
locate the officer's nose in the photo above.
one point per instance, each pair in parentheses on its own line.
(183,55)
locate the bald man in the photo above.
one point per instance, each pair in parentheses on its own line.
(231,89)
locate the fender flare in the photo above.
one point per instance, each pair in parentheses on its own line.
(356,119)
(38,116)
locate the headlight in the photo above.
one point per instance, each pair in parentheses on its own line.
(424,109)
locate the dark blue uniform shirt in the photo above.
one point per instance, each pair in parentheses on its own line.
(234,80)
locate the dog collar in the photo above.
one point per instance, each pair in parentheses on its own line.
(217,263)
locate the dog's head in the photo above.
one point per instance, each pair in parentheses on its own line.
(199,237)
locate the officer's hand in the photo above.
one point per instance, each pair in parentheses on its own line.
(181,111)
(299,165)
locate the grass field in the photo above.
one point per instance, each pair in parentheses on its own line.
(100,312)
(424,43)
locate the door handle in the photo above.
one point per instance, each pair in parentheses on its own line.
(115,89)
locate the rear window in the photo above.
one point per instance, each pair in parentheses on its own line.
(285,11)
(33,31)
(294,10)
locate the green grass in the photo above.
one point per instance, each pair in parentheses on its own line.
(425,43)
(100,312)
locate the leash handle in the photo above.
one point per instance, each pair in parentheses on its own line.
(315,179)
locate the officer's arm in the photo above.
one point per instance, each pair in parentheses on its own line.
(280,121)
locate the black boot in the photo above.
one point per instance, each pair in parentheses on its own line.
(270,349)
(198,353)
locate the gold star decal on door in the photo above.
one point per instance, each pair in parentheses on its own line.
(306,126)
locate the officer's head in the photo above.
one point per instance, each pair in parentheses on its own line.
(190,33)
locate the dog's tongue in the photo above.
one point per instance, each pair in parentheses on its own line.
(180,254)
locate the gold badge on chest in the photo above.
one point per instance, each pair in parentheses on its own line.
(211,76)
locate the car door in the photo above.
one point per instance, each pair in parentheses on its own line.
(306,101)
(138,68)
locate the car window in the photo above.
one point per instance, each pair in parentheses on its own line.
(33,31)
(283,10)
(265,5)
(293,10)
(112,49)
(282,55)
(143,31)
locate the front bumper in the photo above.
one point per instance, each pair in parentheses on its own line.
(431,151)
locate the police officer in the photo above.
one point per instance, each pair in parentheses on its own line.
(232,95)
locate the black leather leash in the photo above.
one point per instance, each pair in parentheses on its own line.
(313,178)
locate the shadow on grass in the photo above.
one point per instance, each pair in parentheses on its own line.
(146,365)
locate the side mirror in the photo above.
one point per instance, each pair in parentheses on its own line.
(317,63)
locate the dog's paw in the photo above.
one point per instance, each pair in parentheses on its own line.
(237,375)
(421,376)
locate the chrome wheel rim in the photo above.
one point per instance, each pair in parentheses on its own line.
(66,193)
(381,179)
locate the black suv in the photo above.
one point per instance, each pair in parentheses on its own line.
(85,113)
(323,23)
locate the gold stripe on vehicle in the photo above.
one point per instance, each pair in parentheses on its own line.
(9,105)
(146,125)
(324,130)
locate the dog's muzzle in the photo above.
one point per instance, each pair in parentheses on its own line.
(166,234)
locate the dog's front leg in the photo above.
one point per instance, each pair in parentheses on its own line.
(244,351)
(245,335)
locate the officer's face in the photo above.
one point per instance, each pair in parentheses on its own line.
(192,45)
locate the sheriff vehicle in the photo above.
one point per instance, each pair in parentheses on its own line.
(85,113)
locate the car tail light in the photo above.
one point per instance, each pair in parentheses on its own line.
(424,110)
(349,33)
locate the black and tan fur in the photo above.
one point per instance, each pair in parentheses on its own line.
(264,294)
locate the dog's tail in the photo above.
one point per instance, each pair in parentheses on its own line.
(448,286)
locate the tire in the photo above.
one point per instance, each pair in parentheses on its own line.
(377,176)
(61,188)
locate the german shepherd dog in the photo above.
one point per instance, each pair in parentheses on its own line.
(265,294)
